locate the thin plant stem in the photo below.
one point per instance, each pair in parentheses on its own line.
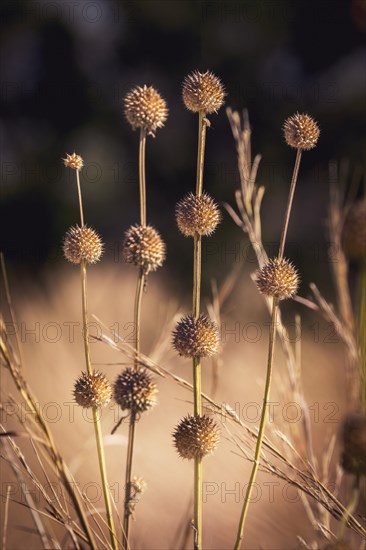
(262,425)
(142,177)
(271,346)
(197,270)
(80,197)
(96,416)
(289,203)
(137,326)
(350,508)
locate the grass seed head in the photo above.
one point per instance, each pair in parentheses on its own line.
(196,436)
(144,247)
(301,131)
(82,243)
(92,390)
(354,231)
(134,390)
(203,92)
(73,161)
(278,278)
(354,444)
(199,215)
(145,108)
(196,337)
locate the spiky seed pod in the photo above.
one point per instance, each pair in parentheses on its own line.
(354,231)
(199,215)
(145,108)
(301,131)
(278,278)
(196,337)
(92,390)
(196,436)
(203,92)
(134,390)
(82,243)
(354,444)
(73,161)
(143,247)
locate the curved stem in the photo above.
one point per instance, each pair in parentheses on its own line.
(96,417)
(289,203)
(142,177)
(262,425)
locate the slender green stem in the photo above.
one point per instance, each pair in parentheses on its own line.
(137,326)
(197,271)
(96,417)
(262,425)
(142,177)
(289,202)
(80,197)
(350,508)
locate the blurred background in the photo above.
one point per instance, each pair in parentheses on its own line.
(66,67)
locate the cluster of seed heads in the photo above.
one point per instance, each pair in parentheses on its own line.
(73,161)
(134,390)
(196,337)
(92,390)
(197,215)
(301,131)
(278,278)
(145,108)
(196,436)
(82,243)
(203,92)
(354,445)
(143,247)
(354,231)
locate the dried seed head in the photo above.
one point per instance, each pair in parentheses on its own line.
(199,215)
(278,278)
(82,243)
(196,337)
(354,231)
(134,390)
(145,108)
(73,161)
(354,444)
(301,131)
(92,390)
(203,92)
(196,436)
(143,246)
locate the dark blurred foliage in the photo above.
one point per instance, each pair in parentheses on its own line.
(66,65)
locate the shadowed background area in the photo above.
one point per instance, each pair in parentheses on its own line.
(66,67)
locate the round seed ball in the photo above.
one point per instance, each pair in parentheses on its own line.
(196,337)
(354,444)
(196,436)
(82,243)
(354,231)
(92,390)
(134,390)
(301,131)
(199,215)
(203,92)
(145,108)
(73,161)
(144,247)
(278,278)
